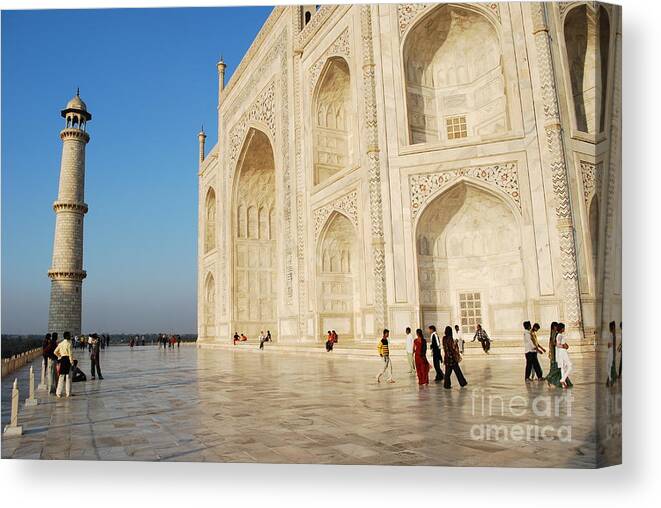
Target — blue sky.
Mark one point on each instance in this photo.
(149, 79)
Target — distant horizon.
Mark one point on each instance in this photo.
(150, 81)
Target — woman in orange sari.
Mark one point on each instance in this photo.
(420, 356)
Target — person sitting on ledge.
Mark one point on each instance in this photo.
(236, 338)
(77, 375)
(243, 337)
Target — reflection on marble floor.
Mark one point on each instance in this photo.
(273, 407)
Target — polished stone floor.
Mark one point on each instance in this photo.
(241, 406)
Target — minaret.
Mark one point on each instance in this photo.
(201, 137)
(66, 273)
(221, 78)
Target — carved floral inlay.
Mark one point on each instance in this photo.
(504, 176)
(262, 110)
(591, 178)
(406, 13)
(341, 47)
(346, 205)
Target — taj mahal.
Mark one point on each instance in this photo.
(407, 164)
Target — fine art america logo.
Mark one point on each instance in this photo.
(520, 418)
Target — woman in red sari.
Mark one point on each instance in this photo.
(420, 356)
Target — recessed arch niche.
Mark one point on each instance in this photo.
(455, 84)
(587, 39)
(255, 281)
(332, 122)
(209, 313)
(338, 287)
(468, 249)
(210, 221)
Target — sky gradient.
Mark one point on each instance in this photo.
(149, 79)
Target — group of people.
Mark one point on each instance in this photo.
(331, 340)
(560, 364)
(85, 341)
(61, 366)
(163, 340)
(137, 341)
(446, 351)
(263, 338)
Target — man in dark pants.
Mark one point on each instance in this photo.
(436, 353)
(532, 363)
(95, 354)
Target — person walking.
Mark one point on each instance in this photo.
(95, 356)
(436, 353)
(420, 355)
(482, 337)
(409, 350)
(384, 352)
(562, 356)
(459, 337)
(262, 339)
(530, 350)
(64, 353)
(452, 359)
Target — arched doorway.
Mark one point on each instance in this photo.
(338, 288)
(255, 277)
(587, 39)
(332, 120)
(209, 317)
(470, 268)
(455, 85)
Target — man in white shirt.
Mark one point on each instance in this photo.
(409, 350)
(532, 363)
(459, 338)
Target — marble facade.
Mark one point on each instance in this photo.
(402, 164)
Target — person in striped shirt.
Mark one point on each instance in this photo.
(384, 352)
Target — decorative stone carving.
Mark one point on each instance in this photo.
(374, 168)
(262, 110)
(340, 47)
(556, 160)
(407, 13)
(317, 21)
(505, 176)
(591, 178)
(347, 205)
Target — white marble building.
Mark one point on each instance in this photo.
(402, 165)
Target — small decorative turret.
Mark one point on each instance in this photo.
(221, 77)
(201, 137)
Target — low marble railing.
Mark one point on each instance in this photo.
(14, 363)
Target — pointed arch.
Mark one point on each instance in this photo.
(254, 270)
(472, 271)
(332, 129)
(338, 280)
(454, 80)
(210, 220)
(209, 314)
(587, 42)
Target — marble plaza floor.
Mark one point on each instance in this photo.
(194, 404)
